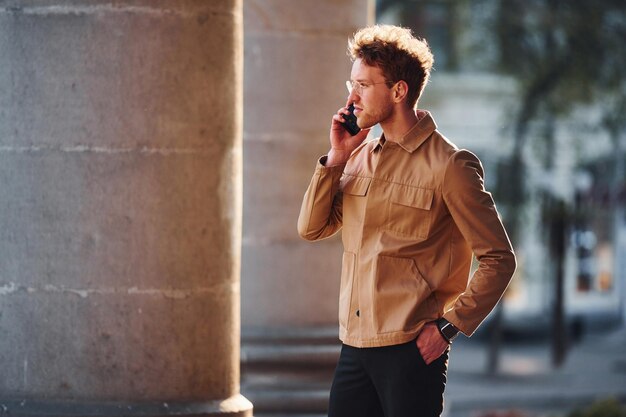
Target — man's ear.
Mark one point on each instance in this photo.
(400, 91)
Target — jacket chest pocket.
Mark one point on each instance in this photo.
(355, 191)
(409, 211)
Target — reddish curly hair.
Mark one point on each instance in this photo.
(399, 54)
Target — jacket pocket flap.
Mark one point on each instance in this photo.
(406, 195)
(355, 185)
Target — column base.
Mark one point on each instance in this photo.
(289, 371)
(235, 406)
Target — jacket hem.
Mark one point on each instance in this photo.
(387, 339)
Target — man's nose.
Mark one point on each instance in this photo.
(353, 96)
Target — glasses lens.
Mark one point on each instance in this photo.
(349, 86)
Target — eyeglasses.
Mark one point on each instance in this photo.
(358, 86)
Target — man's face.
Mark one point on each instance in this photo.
(371, 97)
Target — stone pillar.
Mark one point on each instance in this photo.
(295, 72)
(120, 182)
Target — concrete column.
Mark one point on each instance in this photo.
(295, 72)
(120, 182)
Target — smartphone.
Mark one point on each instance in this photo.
(350, 121)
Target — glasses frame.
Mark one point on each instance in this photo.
(358, 86)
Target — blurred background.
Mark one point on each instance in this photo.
(537, 89)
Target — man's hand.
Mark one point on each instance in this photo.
(341, 142)
(431, 343)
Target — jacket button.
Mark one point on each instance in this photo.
(358, 313)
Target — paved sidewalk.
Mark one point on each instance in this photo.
(595, 368)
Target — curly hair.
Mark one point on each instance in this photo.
(399, 54)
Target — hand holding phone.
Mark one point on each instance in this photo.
(350, 121)
(345, 135)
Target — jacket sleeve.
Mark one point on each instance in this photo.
(321, 210)
(474, 213)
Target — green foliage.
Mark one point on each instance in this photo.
(563, 52)
(609, 407)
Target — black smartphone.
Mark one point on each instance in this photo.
(350, 121)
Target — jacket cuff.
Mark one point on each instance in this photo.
(321, 165)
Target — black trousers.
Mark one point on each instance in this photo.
(390, 381)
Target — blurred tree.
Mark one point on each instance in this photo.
(563, 53)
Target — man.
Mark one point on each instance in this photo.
(414, 210)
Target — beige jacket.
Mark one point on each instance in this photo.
(412, 213)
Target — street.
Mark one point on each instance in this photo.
(594, 369)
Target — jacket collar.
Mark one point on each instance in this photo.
(417, 135)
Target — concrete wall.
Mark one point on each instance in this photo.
(120, 177)
(295, 71)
